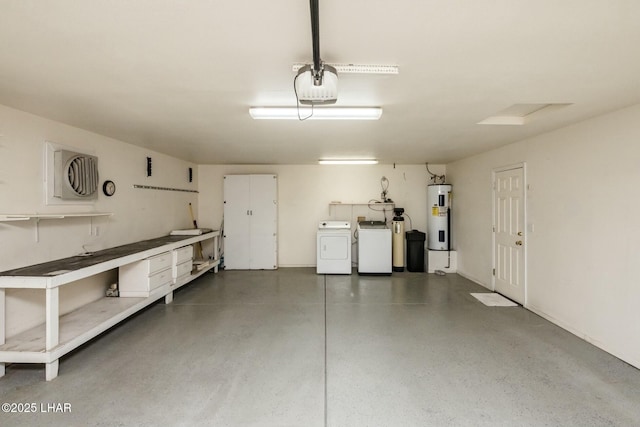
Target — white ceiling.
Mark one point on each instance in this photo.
(179, 76)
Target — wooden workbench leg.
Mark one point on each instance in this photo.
(3, 326)
(216, 257)
(168, 298)
(51, 370)
(52, 320)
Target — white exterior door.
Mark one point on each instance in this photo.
(509, 234)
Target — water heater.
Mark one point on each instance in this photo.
(438, 215)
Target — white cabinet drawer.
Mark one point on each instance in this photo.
(158, 262)
(183, 254)
(159, 279)
(140, 278)
(181, 270)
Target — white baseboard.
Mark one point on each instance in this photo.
(474, 280)
(297, 266)
(620, 355)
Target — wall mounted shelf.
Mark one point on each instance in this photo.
(38, 217)
(27, 217)
(374, 206)
(361, 204)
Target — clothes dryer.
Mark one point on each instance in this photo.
(334, 247)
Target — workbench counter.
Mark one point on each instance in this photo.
(48, 342)
(59, 272)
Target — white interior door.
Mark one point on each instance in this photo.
(509, 233)
(263, 222)
(236, 222)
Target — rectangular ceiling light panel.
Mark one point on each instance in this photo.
(520, 114)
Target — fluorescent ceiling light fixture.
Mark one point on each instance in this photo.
(348, 161)
(315, 113)
(357, 68)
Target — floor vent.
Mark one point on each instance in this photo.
(76, 176)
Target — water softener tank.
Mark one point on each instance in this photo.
(438, 216)
(398, 240)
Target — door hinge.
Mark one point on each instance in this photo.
(494, 271)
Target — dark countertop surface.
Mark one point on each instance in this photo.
(61, 266)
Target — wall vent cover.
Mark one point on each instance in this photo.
(76, 176)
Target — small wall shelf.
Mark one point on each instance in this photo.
(38, 217)
(374, 206)
(361, 204)
(27, 217)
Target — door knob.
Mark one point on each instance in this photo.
(519, 233)
(519, 243)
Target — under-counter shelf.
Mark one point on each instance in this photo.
(197, 272)
(75, 328)
(84, 323)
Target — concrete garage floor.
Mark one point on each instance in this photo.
(261, 348)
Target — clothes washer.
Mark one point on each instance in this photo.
(334, 247)
(374, 248)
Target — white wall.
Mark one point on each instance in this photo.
(584, 205)
(304, 194)
(137, 214)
